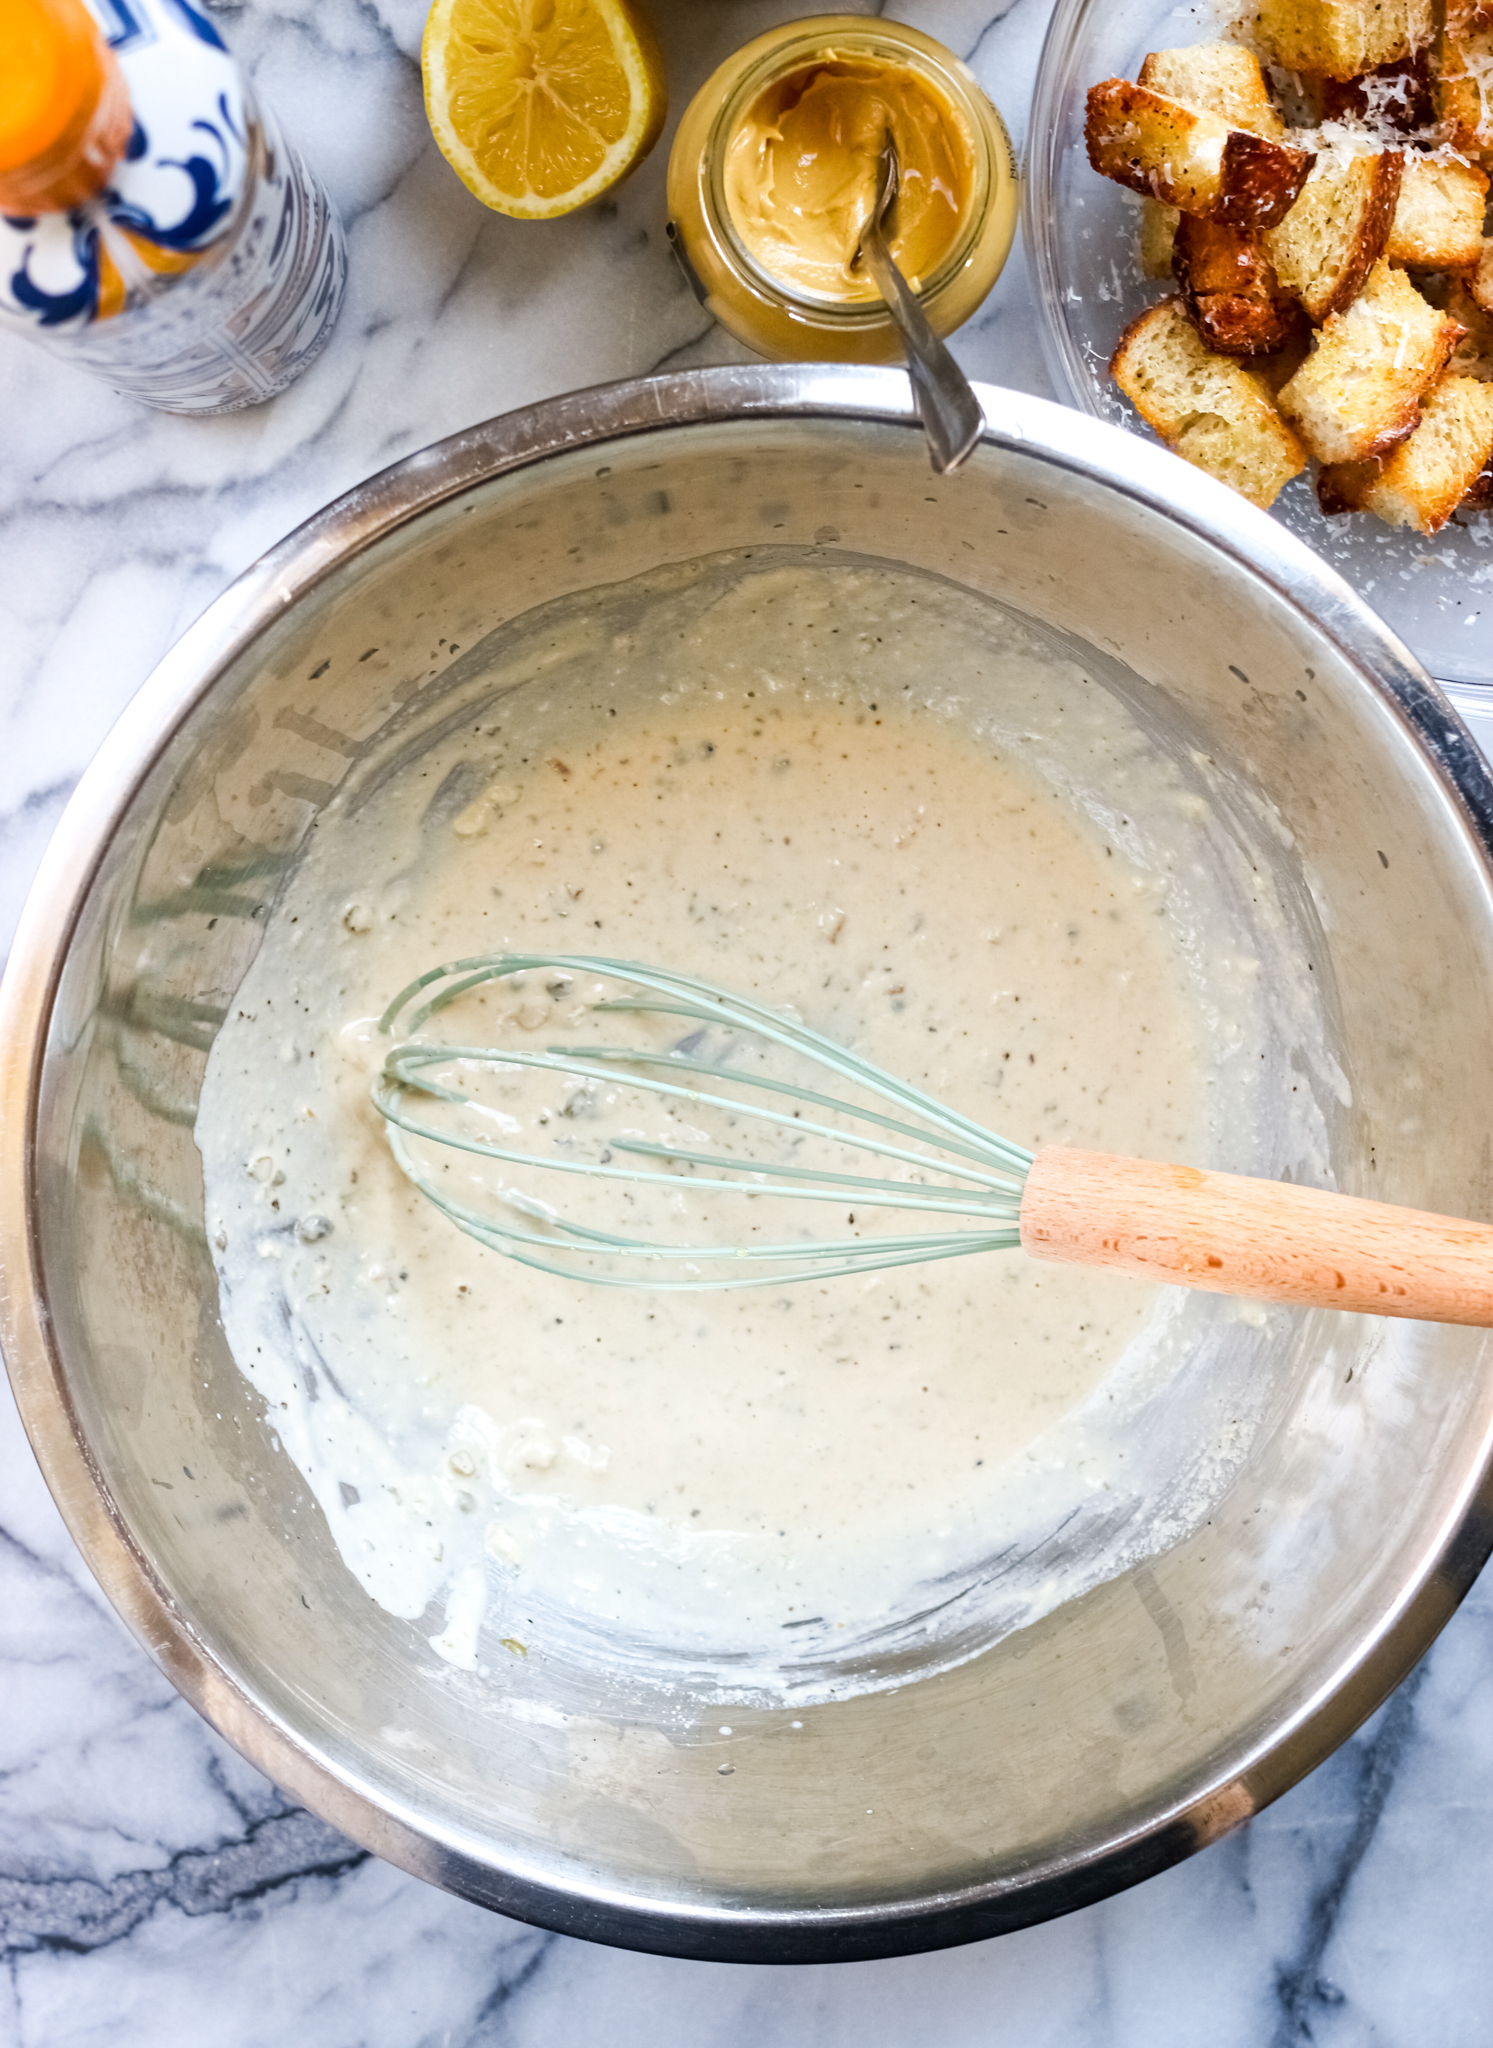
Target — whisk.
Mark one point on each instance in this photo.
(545, 1153)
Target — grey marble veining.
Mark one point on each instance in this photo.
(154, 1890)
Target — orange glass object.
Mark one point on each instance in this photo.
(64, 109)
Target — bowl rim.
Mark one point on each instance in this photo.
(1238, 1784)
(1038, 185)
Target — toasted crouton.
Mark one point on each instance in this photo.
(1230, 287)
(1480, 281)
(1391, 100)
(1158, 237)
(1221, 78)
(1357, 394)
(1430, 474)
(1208, 408)
(1337, 230)
(1228, 280)
(1464, 90)
(1438, 222)
(1480, 496)
(1190, 158)
(1340, 38)
(1473, 354)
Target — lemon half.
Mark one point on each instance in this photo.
(540, 105)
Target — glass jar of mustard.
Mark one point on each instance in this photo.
(773, 172)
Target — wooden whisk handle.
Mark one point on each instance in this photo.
(1264, 1239)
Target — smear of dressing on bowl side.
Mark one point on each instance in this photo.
(874, 799)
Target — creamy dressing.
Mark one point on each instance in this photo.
(822, 787)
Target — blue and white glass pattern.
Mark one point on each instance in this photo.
(209, 271)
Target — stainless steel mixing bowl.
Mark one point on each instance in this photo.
(1129, 1728)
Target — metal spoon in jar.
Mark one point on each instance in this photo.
(947, 406)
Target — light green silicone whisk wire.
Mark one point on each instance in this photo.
(953, 1168)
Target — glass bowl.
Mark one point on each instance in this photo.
(1436, 593)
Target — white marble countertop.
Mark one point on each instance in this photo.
(154, 1890)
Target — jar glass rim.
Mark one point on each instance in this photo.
(825, 40)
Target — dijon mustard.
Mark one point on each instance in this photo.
(773, 177)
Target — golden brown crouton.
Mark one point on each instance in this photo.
(1464, 90)
(1340, 38)
(1480, 281)
(1230, 287)
(1341, 485)
(1438, 222)
(1473, 354)
(1357, 394)
(1208, 408)
(1480, 496)
(1337, 230)
(1221, 78)
(1391, 100)
(1189, 158)
(1430, 474)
